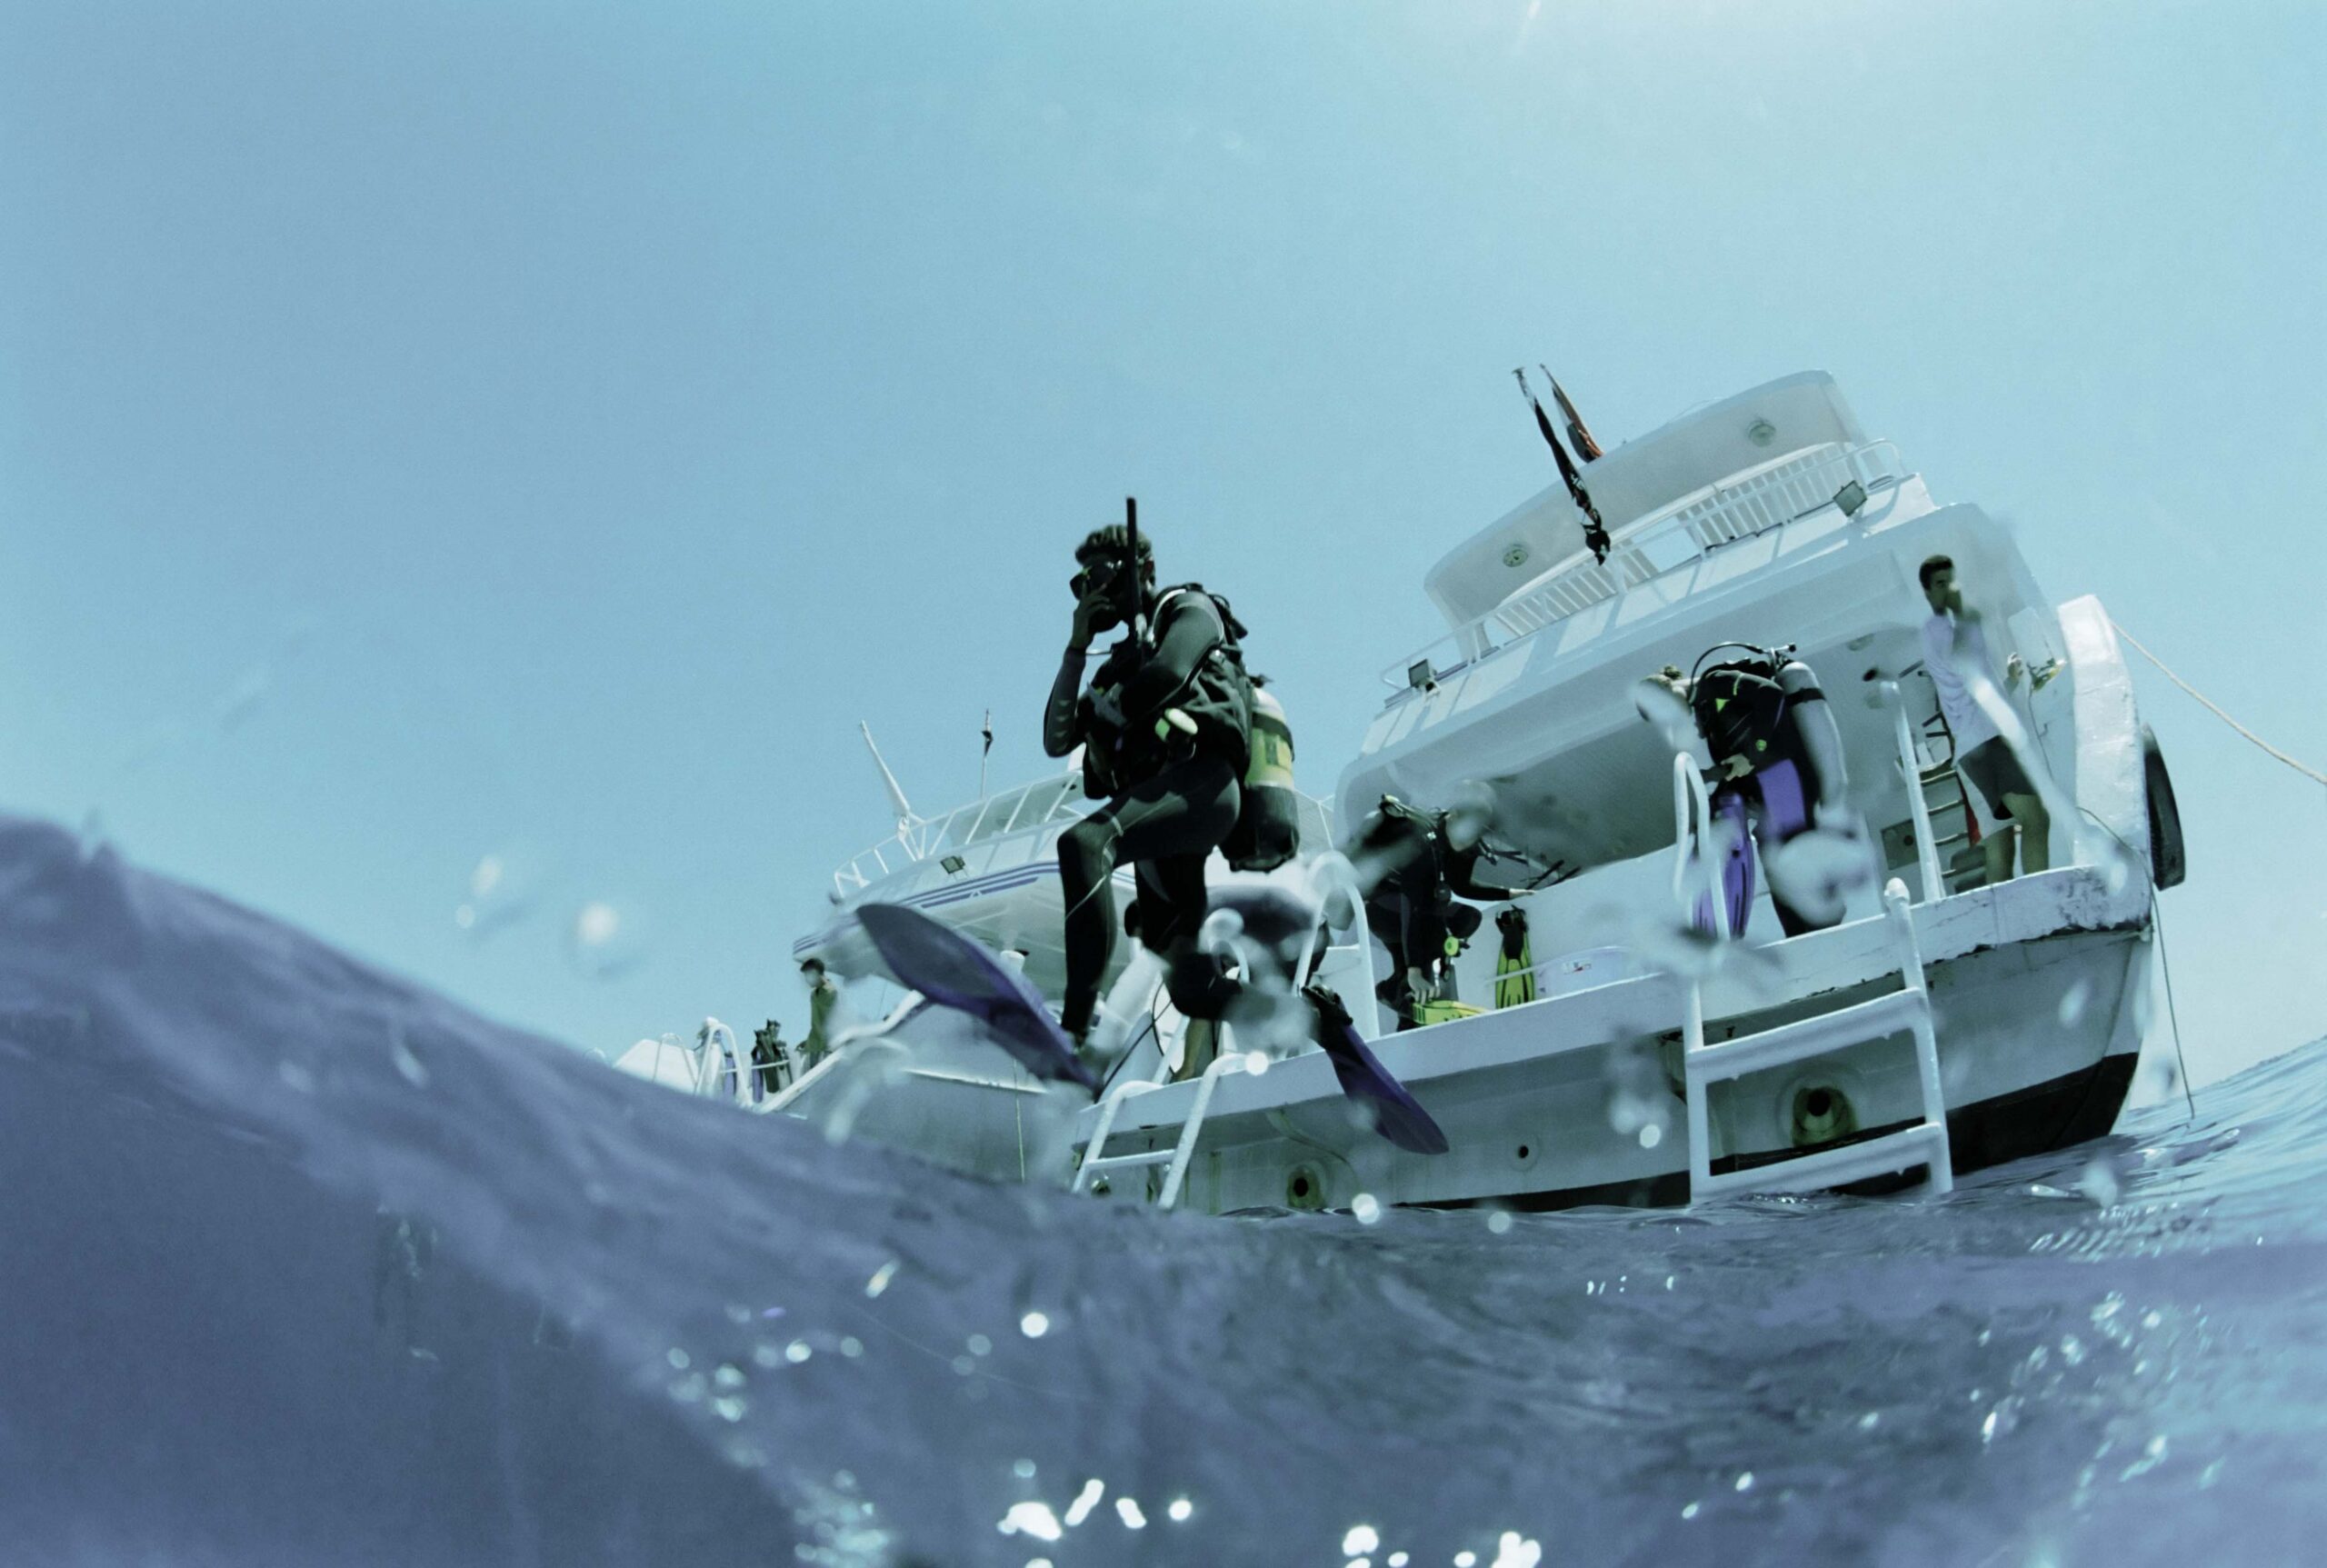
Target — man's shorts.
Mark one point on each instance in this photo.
(1997, 773)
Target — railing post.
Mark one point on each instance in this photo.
(1926, 850)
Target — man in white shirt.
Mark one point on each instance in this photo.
(1956, 648)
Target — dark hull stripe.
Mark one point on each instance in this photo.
(2055, 1115)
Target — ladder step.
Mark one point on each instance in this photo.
(1145, 1157)
(1813, 1036)
(1920, 1144)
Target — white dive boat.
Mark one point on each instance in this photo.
(1945, 1025)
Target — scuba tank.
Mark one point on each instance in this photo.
(1268, 824)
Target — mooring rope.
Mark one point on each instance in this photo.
(2314, 775)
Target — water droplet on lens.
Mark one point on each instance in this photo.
(1360, 1538)
(1365, 1208)
(2100, 1181)
(2073, 1001)
(1035, 1519)
(1179, 1509)
(1086, 1501)
(1033, 1325)
(407, 1064)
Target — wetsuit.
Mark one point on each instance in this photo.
(1169, 802)
(1411, 909)
(1778, 801)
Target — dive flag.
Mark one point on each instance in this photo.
(1585, 448)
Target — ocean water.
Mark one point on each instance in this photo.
(300, 1264)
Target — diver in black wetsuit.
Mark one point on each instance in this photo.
(1165, 728)
(1417, 864)
(1778, 770)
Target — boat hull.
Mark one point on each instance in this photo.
(2038, 991)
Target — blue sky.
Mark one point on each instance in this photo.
(442, 431)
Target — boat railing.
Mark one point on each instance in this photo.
(982, 834)
(982, 824)
(1677, 535)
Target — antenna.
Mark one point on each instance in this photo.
(905, 817)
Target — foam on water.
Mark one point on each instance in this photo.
(303, 1265)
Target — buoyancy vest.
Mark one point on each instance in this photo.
(1218, 694)
(1214, 706)
(1740, 707)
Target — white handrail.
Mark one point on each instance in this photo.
(1926, 850)
(715, 1047)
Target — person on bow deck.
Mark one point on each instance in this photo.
(1416, 865)
(1955, 652)
(823, 994)
(1778, 776)
(1165, 724)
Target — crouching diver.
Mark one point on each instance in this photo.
(1416, 865)
(1777, 758)
(1165, 728)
